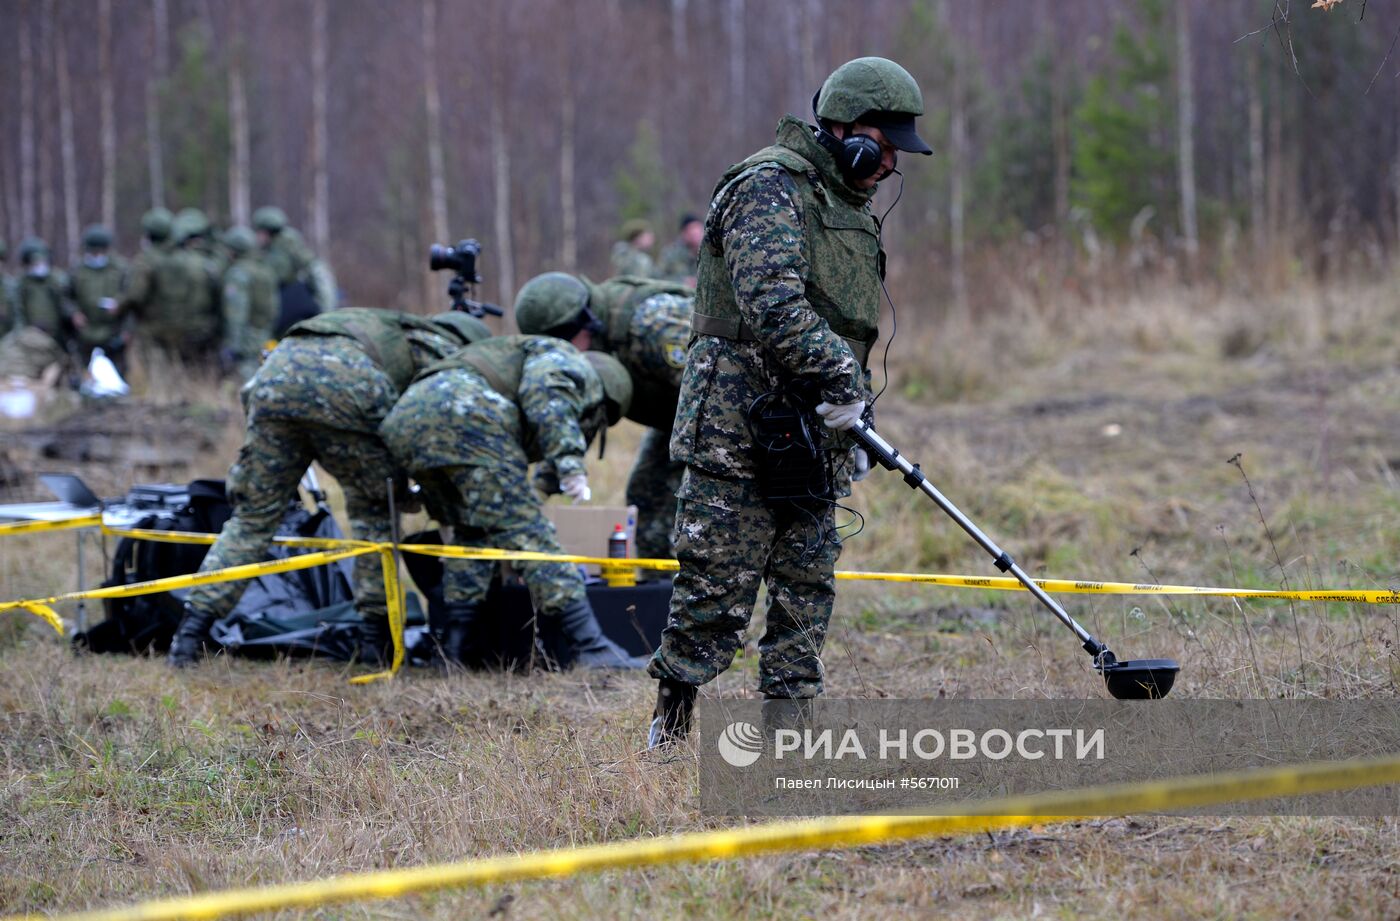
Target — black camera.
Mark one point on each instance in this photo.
(460, 259)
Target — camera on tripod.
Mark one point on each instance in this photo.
(461, 261)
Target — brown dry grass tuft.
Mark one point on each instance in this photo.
(1092, 441)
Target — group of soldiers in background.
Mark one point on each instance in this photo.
(194, 292)
(631, 255)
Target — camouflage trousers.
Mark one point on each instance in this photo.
(263, 480)
(727, 541)
(494, 506)
(652, 487)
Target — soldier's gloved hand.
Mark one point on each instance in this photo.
(861, 462)
(841, 416)
(576, 487)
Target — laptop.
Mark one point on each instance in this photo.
(71, 489)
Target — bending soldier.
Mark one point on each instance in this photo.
(320, 396)
(467, 430)
(646, 326)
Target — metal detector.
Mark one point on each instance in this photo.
(1134, 679)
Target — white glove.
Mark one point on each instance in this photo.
(862, 465)
(841, 416)
(576, 487)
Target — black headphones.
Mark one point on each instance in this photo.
(858, 156)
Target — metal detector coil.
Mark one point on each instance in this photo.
(1133, 679)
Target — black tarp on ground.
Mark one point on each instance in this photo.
(311, 612)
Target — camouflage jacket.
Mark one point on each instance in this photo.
(628, 260)
(97, 292)
(42, 304)
(496, 401)
(9, 290)
(250, 306)
(646, 327)
(678, 263)
(791, 257)
(292, 260)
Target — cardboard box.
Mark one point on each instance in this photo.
(584, 529)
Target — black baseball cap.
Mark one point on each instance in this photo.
(898, 128)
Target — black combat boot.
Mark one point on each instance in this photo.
(573, 638)
(675, 701)
(191, 637)
(376, 642)
(461, 634)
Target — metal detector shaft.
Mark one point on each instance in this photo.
(890, 458)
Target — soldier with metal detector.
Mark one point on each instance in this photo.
(787, 308)
(321, 396)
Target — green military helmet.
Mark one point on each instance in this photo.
(868, 85)
(617, 384)
(190, 222)
(269, 218)
(31, 248)
(157, 224)
(239, 239)
(549, 301)
(97, 237)
(634, 228)
(462, 326)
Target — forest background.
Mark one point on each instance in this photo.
(1079, 145)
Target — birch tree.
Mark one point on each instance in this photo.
(160, 66)
(1186, 127)
(320, 131)
(67, 147)
(107, 120)
(28, 191)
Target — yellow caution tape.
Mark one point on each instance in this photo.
(1079, 587)
(68, 524)
(777, 837)
(228, 574)
(393, 593)
(191, 537)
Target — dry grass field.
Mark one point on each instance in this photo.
(1093, 442)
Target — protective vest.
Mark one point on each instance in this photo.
(41, 303)
(381, 333)
(841, 244)
(89, 287)
(615, 301)
(500, 361)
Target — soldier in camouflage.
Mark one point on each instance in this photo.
(174, 285)
(40, 296)
(95, 287)
(300, 274)
(8, 286)
(632, 254)
(249, 304)
(320, 396)
(646, 326)
(195, 267)
(681, 257)
(142, 301)
(788, 296)
(467, 430)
